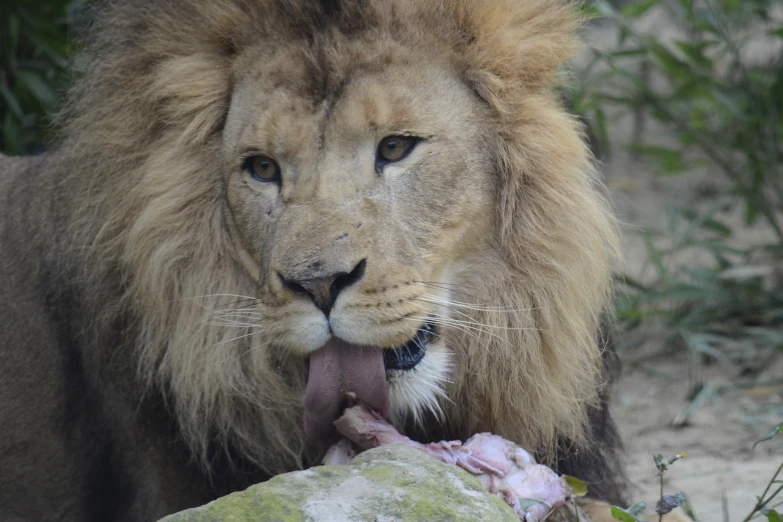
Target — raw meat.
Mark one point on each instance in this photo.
(505, 469)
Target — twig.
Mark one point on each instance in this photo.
(762, 502)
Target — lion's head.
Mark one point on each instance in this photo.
(276, 181)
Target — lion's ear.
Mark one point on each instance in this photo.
(193, 92)
(514, 45)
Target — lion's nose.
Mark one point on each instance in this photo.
(324, 290)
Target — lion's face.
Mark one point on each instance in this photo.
(272, 185)
(353, 205)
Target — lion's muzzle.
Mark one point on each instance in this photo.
(323, 290)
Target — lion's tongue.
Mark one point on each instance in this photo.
(335, 369)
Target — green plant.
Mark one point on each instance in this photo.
(764, 505)
(34, 49)
(725, 113)
(721, 107)
(666, 503)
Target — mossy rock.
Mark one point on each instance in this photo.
(388, 484)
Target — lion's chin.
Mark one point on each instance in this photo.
(341, 372)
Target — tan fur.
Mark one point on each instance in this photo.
(512, 225)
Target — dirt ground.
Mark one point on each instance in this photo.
(717, 438)
(652, 409)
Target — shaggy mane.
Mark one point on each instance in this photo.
(148, 227)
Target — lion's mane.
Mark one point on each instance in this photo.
(148, 239)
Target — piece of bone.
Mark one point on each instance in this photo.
(502, 467)
(339, 454)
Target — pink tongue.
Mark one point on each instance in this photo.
(335, 369)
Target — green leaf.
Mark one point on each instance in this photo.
(751, 212)
(688, 508)
(39, 88)
(622, 515)
(633, 283)
(730, 101)
(670, 159)
(637, 9)
(654, 253)
(578, 487)
(628, 515)
(589, 11)
(686, 4)
(710, 224)
(679, 291)
(673, 65)
(605, 8)
(637, 508)
(13, 31)
(11, 135)
(695, 52)
(774, 516)
(45, 48)
(633, 52)
(744, 272)
(623, 35)
(701, 343)
(526, 503)
(11, 101)
(776, 91)
(771, 435)
(602, 132)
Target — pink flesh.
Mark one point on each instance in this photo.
(336, 369)
(503, 468)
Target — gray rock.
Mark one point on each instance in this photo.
(387, 484)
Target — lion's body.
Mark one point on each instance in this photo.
(152, 347)
(72, 444)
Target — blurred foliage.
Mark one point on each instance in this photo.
(34, 50)
(723, 106)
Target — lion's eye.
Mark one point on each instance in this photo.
(262, 168)
(395, 148)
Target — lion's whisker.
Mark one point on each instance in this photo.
(234, 323)
(454, 324)
(447, 284)
(435, 318)
(235, 313)
(254, 347)
(469, 326)
(250, 334)
(471, 306)
(205, 296)
(226, 307)
(474, 322)
(453, 305)
(251, 310)
(451, 290)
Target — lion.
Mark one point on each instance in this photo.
(252, 204)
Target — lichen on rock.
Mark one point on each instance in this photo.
(388, 484)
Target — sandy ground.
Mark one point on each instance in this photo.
(651, 401)
(717, 437)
